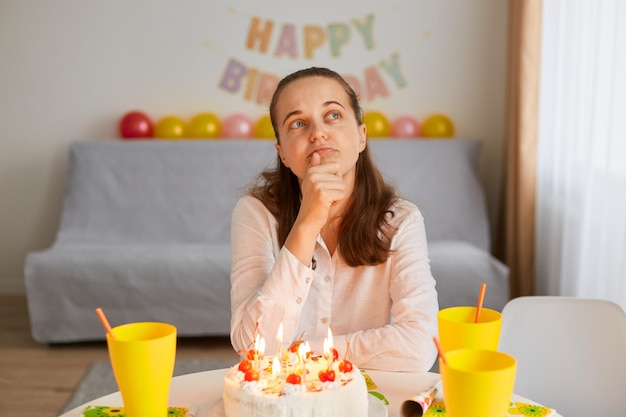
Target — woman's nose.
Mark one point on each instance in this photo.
(318, 131)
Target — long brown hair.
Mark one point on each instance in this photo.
(364, 232)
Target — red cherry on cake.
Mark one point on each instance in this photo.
(294, 346)
(294, 379)
(327, 375)
(250, 354)
(251, 375)
(335, 354)
(245, 365)
(345, 366)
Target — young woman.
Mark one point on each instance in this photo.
(321, 241)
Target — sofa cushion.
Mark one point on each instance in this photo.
(439, 176)
(185, 285)
(460, 267)
(157, 192)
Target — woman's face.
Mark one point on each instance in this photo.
(313, 114)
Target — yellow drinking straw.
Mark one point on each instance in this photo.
(481, 298)
(105, 322)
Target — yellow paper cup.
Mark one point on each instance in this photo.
(143, 356)
(457, 329)
(477, 382)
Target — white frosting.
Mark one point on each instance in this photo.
(292, 389)
(273, 397)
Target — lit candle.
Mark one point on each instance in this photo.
(326, 349)
(302, 354)
(332, 353)
(275, 367)
(255, 350)
(260, 352)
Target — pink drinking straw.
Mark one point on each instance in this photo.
(105, 322)
(440, 350)
(481, 298)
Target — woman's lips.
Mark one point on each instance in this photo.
(323, 152)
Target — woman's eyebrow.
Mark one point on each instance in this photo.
(291, 113)
(326, 103)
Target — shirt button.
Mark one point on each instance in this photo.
(327, 278)
(308, 279)
(324, 320)
(298, 300)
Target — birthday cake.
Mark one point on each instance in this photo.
(288, 386)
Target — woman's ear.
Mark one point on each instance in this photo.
(280, 154)
(362, 136)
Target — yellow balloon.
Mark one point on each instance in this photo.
(263, 128)
(378, 125)
(438, 126)
(203, 126)
(169, 127)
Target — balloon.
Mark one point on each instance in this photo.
(438, 126)
(377, 124)
(263, 128)
(237, 126)
(169, 127)
(405, 127)
(135, 125)
(203, 125)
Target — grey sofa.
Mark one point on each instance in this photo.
(145, 231)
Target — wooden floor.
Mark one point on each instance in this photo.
(37, 380)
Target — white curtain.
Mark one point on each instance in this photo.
(581, 166)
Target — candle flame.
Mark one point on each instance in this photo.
(275, 367)
(279, 336)
(330, 339)
(301, 351)
(261, 349)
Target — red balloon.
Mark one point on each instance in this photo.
(135, 125)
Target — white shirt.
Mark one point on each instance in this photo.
(387, 312)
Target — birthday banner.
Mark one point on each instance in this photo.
(358, 46)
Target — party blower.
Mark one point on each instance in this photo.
(142, 356)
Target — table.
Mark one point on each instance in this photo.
(200, 391)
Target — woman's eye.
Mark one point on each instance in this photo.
(334, 115)
(296, 124)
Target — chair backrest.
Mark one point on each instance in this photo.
(571, 353)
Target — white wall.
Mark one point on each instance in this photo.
(69, 70)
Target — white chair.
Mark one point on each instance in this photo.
(571, 353)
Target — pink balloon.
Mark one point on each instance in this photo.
(237, 126)
(405, 127)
